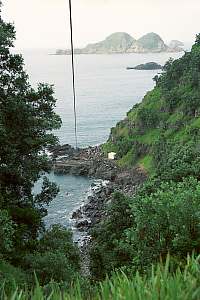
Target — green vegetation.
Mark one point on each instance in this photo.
(146, 163)
(159, 283)
(107, 253)
(130, 248)
(147, 66)
(163, 140)
(27, 119)
(171, 110)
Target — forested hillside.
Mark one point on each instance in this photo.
(168, 116)
(161, 136)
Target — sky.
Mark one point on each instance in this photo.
(45, 23)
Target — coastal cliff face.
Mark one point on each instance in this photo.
(122, 42)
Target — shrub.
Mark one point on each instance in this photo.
(57, 258)
(11, 277)
(107, 252)
(176, 161)
(167, 220)
(51, 265)
(6, 232)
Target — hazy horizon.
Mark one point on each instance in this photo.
(45, 24)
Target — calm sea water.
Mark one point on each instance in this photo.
(105, 89)
(105, 92)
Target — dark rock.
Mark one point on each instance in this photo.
(92, 163)
(82, 225)
(63, 150)
(147, 66)
(77, 214)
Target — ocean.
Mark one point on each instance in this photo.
(105, 92)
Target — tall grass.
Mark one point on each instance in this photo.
(160, 284)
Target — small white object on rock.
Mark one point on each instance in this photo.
(111, 155)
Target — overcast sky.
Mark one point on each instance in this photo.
(44, 23)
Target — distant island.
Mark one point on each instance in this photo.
(122, 42)
(147, 66)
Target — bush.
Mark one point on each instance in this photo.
(176, 161)
(57, 258)
(11, 278)
(107, 252)
(58, 238)
(51, 265)
(167, 220)
(6, 233)
(147, 118)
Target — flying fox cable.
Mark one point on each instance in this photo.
(73, 74)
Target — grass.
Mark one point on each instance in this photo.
(127, 160)
(183, 284)
(149, 137)
(175, 117)
(195, 123)
(108, 147)
(161, 284)
(147, 163)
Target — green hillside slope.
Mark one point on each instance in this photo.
(160, 135)
(170, 112)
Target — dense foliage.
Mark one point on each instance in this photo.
(27, 119)
(160, 283)
(161, 135)
(167, 114)
(106, 252)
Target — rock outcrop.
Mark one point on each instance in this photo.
(147, 66)
(83, 162)
(175, 46)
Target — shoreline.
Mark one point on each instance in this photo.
(108, 178)
(92, 163)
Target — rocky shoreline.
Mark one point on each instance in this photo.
(108, 178)
(88, 162)
(91, 162)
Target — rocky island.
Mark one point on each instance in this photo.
(176, 46)
(147, 66)
(122, 42)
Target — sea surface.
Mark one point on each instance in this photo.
(105, 92)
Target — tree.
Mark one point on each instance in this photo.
(6, 233)
(107, 251)
(27, 119)
(58, 258)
